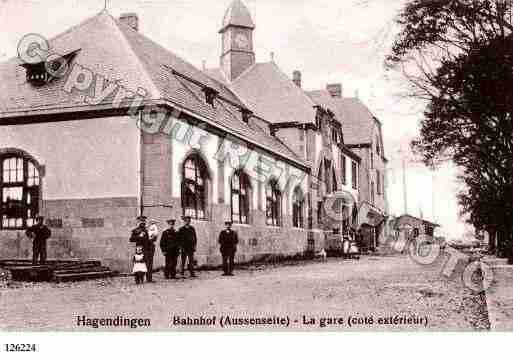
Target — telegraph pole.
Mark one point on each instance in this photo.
(433, 180)
(405, 191)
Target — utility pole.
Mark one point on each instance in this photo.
(405, 191)
(433, 195)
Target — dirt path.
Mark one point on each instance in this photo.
(377, 287)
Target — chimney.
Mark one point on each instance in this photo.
(130, 19)
(296, 77)
(335, 90)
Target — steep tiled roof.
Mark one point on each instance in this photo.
(357, 120)
(270, 94)
(103, 50)
(217, 75)
(115, 51)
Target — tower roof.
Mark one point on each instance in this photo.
(237, 14)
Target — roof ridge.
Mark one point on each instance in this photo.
(80, 24)
(187, 67)
(245, 72)
(141, 63)
(303, 92)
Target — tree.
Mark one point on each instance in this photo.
(457, 56)
(481, 202)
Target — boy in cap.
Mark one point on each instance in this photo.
(228, 240)
(170, 247)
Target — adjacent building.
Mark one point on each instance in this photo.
(363, 135)
(407, 228)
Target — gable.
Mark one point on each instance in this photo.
(356, 119)
(271, 95)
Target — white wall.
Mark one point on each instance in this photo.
(209, 147)
(92, 158)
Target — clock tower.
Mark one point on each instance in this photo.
(237, 40)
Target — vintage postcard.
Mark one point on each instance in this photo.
(255, 165)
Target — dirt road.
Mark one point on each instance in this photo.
(335, 292)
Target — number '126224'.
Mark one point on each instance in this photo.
(20, 347)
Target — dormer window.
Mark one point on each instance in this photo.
(246, 114)
(210, 95)
(36, 74)
(43, 72)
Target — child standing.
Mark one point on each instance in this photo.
(139, 269)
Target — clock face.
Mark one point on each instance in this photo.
(241, 41)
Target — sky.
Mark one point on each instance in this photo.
(329, 41)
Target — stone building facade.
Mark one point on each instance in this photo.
(129, 128)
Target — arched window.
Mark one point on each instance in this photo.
(273, 204)
(194, 187)
(19, 191)
(298, 202)
(240, 188)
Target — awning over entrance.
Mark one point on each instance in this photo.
(370, 215)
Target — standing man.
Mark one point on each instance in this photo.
(188, 240)
(228, 240)
(170, 247)
(149, 250)
(39, 233)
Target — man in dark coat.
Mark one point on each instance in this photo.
(188, 241)
(141, 238)
(228, 241)
(39, 234)
(170, 246)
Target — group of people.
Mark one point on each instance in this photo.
(175, 244)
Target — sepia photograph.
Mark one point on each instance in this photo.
(255, 166)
